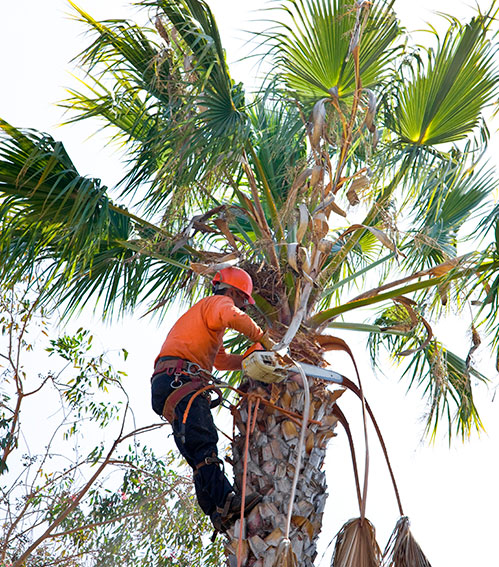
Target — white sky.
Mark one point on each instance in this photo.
(451, 495)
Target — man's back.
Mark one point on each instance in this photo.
(198, 335)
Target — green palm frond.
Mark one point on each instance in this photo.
(120, 279)
(446, 379)
(195, 23)
(121, 108)
(279, 141)
(447, 385)
(128, 50)
(442, 103)
(47, 204)
(313, 50)
(65, 224)
(449, 197)
(170, 94)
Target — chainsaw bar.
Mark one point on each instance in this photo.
(322, 373)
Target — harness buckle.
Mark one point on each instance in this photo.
(193, 368)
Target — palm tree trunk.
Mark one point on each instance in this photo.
(272, 452)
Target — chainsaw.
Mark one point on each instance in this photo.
(269, 366)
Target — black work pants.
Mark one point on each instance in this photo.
(198, 441)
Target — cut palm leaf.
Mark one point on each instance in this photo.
(402, 549)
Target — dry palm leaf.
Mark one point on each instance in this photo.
(356, 545)
(477, 341)
(321, 225)
(223, 262)
(357, 184)
(293, 255)
(316, 176)
(371, 110)
(328, 205)
(402, 549)
(444, 267)
(303, 223)
(318, 122)
(223, 226)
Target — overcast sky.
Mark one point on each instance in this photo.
(451, 495)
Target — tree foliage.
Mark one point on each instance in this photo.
(357, 164)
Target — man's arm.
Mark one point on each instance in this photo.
(224, 314)
(235, 319)
(226, 361)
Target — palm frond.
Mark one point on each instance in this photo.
(446, 379)
(170, 94)
(443, 102)
(356, 545)
(65, 224)
(46, 203)
(279, 142)
(448, 198)
(313, 50)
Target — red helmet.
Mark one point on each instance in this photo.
(238, 278)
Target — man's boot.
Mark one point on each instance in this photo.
(224, 517)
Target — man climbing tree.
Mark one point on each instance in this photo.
(191, 349)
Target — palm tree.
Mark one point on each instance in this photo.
(357, 164)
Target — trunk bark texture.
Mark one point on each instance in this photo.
(271, 458)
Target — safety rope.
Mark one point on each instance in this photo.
(295, 417)
(245, 474)
(301, 443)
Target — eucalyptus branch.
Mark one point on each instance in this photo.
(78, 498)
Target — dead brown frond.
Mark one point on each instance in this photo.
(304, 348)
(266, 281)
(477, 341)
(285, 556)
(402, 549)
(356, 545)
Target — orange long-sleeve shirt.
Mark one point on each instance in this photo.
(198, 335)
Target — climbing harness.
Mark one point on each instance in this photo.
(189, 378)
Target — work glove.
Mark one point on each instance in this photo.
(266, 341)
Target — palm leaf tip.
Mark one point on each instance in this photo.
(402, 549)
(356, 545)
(285, 555)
